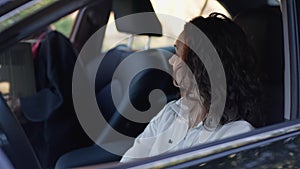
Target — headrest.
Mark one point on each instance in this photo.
(144, 22)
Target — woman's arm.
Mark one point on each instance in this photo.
(144, 142)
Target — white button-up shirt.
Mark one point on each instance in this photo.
(169, 131)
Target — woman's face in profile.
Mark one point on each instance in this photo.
(177, 65)
(177, 62)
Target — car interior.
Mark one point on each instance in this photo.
(260, 20)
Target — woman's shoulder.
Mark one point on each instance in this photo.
(235, 128)
(239, 124)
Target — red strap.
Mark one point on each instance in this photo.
(36, 45)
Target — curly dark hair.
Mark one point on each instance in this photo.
(243, 98)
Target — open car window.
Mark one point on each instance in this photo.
(268, 31)
(253, 153)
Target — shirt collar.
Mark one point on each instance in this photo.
(181, 109)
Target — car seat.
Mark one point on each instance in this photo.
(139, 88)
(145, 81)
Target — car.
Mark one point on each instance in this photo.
(92, 49)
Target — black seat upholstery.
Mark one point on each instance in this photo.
(85, 156)
(145, 81)
(104, 79)
(263, 27)
(140, 87)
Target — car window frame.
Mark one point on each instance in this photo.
(205, 153)
(292, 56)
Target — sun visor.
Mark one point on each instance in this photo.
(136, 17)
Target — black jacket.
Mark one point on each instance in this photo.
(53, 128)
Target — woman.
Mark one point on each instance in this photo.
(183, 123)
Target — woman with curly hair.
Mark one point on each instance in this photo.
(185, 122)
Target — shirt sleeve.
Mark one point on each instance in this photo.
(143, 143)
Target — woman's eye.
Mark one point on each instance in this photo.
(176, 49)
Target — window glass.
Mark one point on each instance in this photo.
(182, 9)
(23, 11)
(280, 154)
(187, 10)
(16, 71)
(65, 24)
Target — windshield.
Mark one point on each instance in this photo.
(8, 5)
(14, 11)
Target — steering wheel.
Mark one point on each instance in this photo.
(13, 140)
